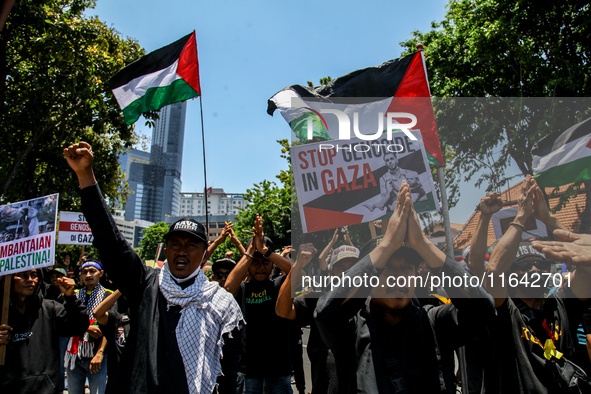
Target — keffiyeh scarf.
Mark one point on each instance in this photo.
(83, 347)
(208, 312)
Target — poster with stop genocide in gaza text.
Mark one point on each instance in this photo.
(345, 182)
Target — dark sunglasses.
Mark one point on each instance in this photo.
(527, 265)
(221, 275)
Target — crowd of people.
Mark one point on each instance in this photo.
(174, 330)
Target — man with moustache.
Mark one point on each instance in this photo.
(180, 319)
(394, 346)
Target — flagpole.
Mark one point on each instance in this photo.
(441, 177)
(204, 170)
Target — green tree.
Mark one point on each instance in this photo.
(55, 65)
(504, 48)
(152, 237)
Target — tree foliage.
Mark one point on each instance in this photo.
(152, 237)
(504, 48)
(55, 65)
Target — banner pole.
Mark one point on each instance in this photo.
(5, 305)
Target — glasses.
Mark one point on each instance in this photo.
(221, 275)
(528, 265)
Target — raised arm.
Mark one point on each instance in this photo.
(123, 265)
(284, 306)
(282, 262)
(504, 253)
(101, 313)
(396, 230)
(239, 272)
(574, 249)
(218, 241)
(489, 205)
(234, 239)
(324, 256)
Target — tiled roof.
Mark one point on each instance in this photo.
(569, 215)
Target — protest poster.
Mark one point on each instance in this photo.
(345, 182)
(502, 220)
(73, 229)
(27, 234)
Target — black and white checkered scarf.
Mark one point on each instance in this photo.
(83, 347)
(208, 312)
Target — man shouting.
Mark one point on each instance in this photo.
(180, 318)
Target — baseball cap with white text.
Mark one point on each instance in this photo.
(187, 226)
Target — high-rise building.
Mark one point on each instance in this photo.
(166, 154)
(155, 181)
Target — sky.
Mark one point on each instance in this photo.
(248, 51)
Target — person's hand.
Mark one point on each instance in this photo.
(415, 237)
(397, 225)
(541, 210)
(4, 334)
(286, 250)
(94, 331)
(259, 236)
(335, 236)
(348, 238)
(490, 204)
(95, 363)
(232, 235)
(226, 231)
(525, 201)
(305, 254)
(66, 286)
(79, 157)
(575, 248)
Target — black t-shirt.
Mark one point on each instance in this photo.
(265, 339)
(116, 331)
(520, 335)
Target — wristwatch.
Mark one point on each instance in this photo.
(268, 254)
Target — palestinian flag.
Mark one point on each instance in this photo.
(398, 85)
(165, 76)
(563, 157)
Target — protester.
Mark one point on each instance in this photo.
(54, 292)
(480, 366)
(167, 351)
(232, 350)
(31, 335)
(86, 356)
(221, 269)
(301, 311)
(395, 346)
(266, 365)
(66, 265)
(115, 327)
(534, 337)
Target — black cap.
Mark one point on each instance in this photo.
(228, 264)
(187, 226)
(268, 244)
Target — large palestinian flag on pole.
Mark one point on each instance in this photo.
(398, 85)
(563, 157)
(165, 76)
